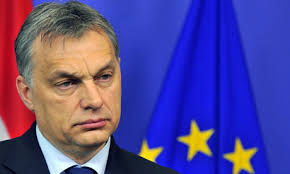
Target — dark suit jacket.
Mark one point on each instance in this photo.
(23, 155)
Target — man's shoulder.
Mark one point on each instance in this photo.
(19, 145)
(6, 150)
(18, 153)
(137, 164)
(6, 146)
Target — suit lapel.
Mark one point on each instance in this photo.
(113, 166)
(26, 156)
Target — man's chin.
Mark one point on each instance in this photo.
(92, 141)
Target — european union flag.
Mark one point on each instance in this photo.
(205, 120)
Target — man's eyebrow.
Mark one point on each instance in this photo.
(64, 74)
(74, 75)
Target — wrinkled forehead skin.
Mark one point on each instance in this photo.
(48, 40)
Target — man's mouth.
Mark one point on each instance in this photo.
(93, 123)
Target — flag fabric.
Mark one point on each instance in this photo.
(14, 117)
(205, 119)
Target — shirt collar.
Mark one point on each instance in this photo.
(57, 162)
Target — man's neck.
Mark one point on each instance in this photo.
(57, 161)
(81, 155)
(77, 153)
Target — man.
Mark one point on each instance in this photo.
(68, 61)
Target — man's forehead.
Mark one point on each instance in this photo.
(58, 43)
(59, 70)
(92, 52)
(76, 66)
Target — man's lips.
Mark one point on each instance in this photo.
(93, 123)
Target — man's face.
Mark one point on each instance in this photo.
(76, 92)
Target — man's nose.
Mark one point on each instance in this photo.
(91, 97)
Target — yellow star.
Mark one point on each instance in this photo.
(241, 158)
(196, 141)
(150, 154)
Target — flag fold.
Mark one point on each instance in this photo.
(205, 119)
(15, 118)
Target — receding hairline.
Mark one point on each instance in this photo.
(44, 41)
(49, 38)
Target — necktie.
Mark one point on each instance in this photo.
(80, 170)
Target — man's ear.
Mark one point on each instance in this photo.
(25, 92)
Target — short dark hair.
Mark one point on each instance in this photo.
(51, 20)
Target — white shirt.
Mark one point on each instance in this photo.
(57, 162)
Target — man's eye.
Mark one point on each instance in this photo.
(104, 77)
(66, 84)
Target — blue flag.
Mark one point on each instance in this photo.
(205, 120)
